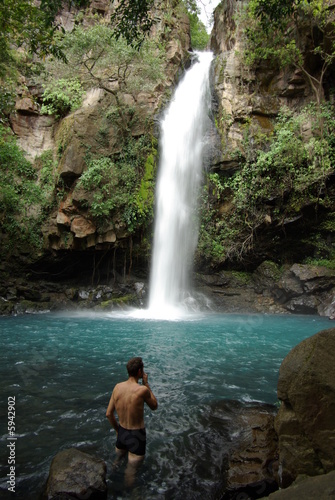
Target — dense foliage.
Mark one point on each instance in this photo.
(26, 194)
(99, 60)
(62, 97)
(199, 35)
(118, 185)
(283, 172)
(274, 185)
(133, 20)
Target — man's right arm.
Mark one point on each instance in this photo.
(149, 396)
(110, 413)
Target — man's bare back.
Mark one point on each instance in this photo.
(127, 401)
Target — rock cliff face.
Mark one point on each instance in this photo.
(69, 227)
(246, 95)
(248, 101)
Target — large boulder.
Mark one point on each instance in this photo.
(305, 423)
(310, 488)
(75, 474)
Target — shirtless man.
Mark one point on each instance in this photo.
(128, 400)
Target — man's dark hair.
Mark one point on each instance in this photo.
(133, 365)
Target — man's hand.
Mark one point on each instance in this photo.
(149, 398)
(145, 378)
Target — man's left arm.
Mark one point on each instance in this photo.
(110, 413)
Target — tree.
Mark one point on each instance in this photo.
(99, 60)
(199, 35)
(24, 23)
(30, 24)
(133, 20)
(277, 31)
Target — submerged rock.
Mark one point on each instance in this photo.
(74, 474)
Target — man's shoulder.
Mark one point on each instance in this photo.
(141, 390)
(144, 390)
(119, 386)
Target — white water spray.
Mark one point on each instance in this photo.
(180, 173)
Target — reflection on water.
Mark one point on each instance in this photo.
(62, 369)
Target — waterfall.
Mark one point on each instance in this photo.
(179, 177)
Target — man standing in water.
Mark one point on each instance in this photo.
(128, 400)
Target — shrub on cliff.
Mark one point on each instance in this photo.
(272, 188)
(62, 96)
(25, 194)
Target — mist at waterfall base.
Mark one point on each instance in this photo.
(61, 369)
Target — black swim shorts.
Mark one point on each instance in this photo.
(133, 440)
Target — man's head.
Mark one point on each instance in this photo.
(133, 365)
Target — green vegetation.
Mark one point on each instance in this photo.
(141, 212)
(284, 170)
(25, 24)
(133, 20)
(121, 189)
(7, 99)
(199, 35)
(329, 264)
(118, 186)
(273, 185)
(26, 194)
(101, 61)
(61, 97)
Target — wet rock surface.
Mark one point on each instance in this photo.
(297, 289)
(18, 296)
(253, 459)
(246, 439)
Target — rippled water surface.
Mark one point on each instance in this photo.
(62, 369)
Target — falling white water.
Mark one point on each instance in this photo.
(179, 178)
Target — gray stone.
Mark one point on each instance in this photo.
(289, 285)
(78, 474)
(308, 272)
(305, 304)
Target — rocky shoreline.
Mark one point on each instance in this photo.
(296, 289)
